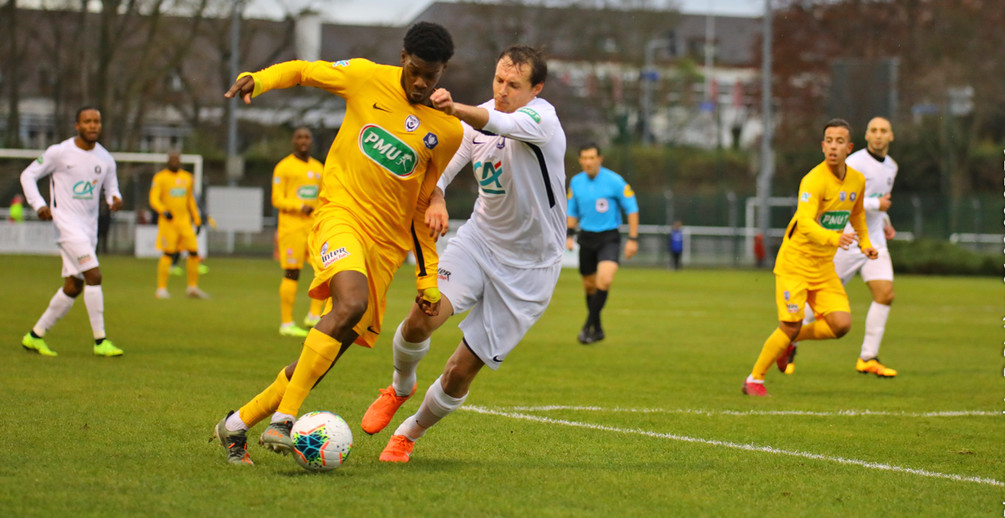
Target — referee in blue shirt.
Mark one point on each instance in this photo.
(597, 197)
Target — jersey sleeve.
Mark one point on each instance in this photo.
(193, 207)
(573, 209)
(534, 126)
(39, 168)
(279, 199)
(337, 77)
(806, 214)
(155, 195)
(857, 220)
(459, 160)
(111, 184)
(626, 197)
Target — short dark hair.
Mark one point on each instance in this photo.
(524, 55)
(588, 146)
(84, 109)
(430, 42)
(837, 123)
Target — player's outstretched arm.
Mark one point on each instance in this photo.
(242, 88)
(475, 116)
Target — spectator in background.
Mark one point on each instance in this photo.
(676, 244)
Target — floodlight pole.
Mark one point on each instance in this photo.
(234, 165)
(767, 154)
(648, 77)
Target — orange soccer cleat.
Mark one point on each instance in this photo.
(382, 410)
(398, 449)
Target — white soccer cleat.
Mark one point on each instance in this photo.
(162, 293)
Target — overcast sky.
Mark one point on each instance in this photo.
(400, 12)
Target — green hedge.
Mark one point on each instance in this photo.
(926, 256)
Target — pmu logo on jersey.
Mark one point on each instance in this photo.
(387, 151)
(329, 258)
(834, 219)
(84, 190)
(533, 114)
(178, 192)
(307, 192)
(490, 173)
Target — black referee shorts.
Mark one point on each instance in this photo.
(598, 246)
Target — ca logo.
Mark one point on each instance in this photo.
(83, 190)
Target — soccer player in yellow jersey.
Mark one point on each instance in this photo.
(379, 176)
(296, 182)
(830, 196)
(173, 198)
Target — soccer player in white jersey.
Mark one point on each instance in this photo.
(78, 169)
(880, 171)
(504, 263)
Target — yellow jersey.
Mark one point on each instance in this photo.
(385, 161)
(826, 204)
(295, 183)
(173, 191)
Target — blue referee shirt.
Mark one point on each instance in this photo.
(598, 202)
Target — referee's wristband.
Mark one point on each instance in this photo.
(570, 232)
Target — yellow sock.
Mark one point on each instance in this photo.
(264, 404)
(192, 269)
(316, 358)
(317, 306)
(816, 330)
(163, 271)
(287, 295)
(774, 346)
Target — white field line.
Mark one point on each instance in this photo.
(737, 446)
(839, 413)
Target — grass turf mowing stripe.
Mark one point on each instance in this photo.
(747, 447)
(838, 413)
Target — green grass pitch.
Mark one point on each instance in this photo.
(650, 422)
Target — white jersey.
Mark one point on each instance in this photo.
(519, 164)
(76, 178)
(879, 177)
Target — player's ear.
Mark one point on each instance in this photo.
(404, 57)
(536, 89)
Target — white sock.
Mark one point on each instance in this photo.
(234, 422)
(278, 417)
(94, 301)
(435, 406)
(59, 305)
(875, 326)
(407, 356)
(751, 379)
(808, 316)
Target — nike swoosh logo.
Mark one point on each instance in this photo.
(370, 329)
(496, 359)
(475, 141)
(375, 107)
(825, 200)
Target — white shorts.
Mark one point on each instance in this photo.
(78, 257)
(504, 301)
(848, 262)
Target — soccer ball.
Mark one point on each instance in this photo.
(321, 441)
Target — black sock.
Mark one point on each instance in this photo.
(33, 335)
(97, 341)
(597, 302)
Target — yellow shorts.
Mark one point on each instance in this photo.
(825, 295)
(292, 244)
(336, 245)
(173, 237)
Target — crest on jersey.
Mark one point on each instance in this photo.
(628, 191)
(842, 195)
(852, 196)
(804, 197)
(97, 169)
(787, 295)
(411, 123)
(602, 205)
(430, 140)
